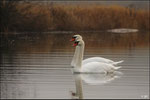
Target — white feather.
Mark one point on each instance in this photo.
(98, 67)
(100, 59)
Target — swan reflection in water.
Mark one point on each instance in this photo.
(93, 71)
(92, 79)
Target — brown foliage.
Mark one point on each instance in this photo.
(40, 17)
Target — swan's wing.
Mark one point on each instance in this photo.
(97, 67)
(97, 59)
(118, 62)
(102, 60)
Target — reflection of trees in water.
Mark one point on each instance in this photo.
(60, 41)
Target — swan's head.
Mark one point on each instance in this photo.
(78, 42)
(76, 37)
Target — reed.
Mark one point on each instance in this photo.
(35, 17)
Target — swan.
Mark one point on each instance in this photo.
(90, 67)
(94, 59)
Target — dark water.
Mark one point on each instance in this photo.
(39, 67)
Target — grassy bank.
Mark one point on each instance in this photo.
(35, 17)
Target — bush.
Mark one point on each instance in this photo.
(24, 16)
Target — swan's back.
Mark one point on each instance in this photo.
(97, 59)
(98, 67)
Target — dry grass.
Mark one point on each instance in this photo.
(38, 17)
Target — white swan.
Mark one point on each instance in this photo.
(93, 59)
(89, 67)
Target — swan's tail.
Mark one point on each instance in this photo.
(118, 62)
(117, 67)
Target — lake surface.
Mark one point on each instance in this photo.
(38, 67)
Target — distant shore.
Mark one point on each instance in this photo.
(36, 17)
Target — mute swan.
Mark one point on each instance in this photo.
(93, 59)
(90, 67)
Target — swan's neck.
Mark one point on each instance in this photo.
(74, 57)
(78, 57)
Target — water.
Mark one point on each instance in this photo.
(39, 67)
